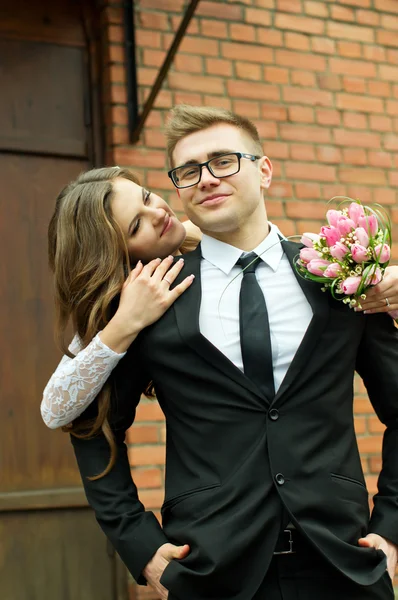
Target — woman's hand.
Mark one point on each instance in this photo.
(145, 297)
(377, 296)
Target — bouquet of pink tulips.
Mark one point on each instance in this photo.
(350, 254)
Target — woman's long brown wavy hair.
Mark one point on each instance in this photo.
(89, 258)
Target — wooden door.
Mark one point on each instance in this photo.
(50, 544)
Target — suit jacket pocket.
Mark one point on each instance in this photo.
(343, 478)
(168, 505)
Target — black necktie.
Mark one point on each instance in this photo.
(255, 339)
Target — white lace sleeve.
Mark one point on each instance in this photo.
(77, 381)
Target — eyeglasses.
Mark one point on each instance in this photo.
(220, 166)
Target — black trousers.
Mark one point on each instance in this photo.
(308, 576)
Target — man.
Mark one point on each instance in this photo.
(265, 496)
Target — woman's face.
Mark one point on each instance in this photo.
(149, 226)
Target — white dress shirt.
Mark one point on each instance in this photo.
(289, 312)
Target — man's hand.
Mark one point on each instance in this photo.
(373, 540)
(154, 569)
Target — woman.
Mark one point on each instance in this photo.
(103, 223)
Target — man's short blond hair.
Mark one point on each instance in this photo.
(186, 119)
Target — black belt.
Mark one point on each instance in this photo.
(289, 542)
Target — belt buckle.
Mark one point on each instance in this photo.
(290, 541)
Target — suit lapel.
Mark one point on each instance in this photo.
(187, 310)
(320, 308)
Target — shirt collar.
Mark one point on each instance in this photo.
(224, 257)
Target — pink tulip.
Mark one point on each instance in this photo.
(318, 266)
(350, 285)
(307, 254)
(369, 223)
(345, 225)
(309, 238)
(331, 234)
(374, 276)
(355, 211)
(333, 270)
(333, 216)
(362, 236)
(382, 252)
(338, 251)
(359, 253)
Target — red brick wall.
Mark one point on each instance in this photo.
(320, 80)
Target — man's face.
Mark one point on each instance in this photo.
(223, 205)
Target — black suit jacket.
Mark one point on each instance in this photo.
(234, 456)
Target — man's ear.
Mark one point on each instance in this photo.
(265, 166)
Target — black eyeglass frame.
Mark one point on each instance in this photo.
(239, 155)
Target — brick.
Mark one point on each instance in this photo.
(242, 33)
(374, 53)
(301, 133)
(358, 68)
(360, 425)
(315, 172)
(114, 34)
(147, 478)
(139, 158)
(301, 114)
(149, 411)
(350, 32)
(303, 152)
(149, 39)
(143, 434)
(195, 83)
(200, 46)
(367, 17)
(257, 17)
(329, 154)
(392, 56)
(316, 9)
(146, 76)
(388, 73)
(355, 156)
(246, 70)
(147, 455)
(362, 406)
(386, 6)
(297, 41)
(218, 66)
(386, 38)
(153, 58)
(329, 82)
(354, 85)
(149, 20)
(276, 75)
(288, 58)
(270, 37)
(308, 225)
(361, 3)
(118, 94)
(305, 210)
(116, 53)
(119, 115)
(154, 138)
(356, 139)
(370, 444)
(187, 98)
(332, 190)
(249, 109)
(274, 112)
(365, 176)
(361, 103)
(308, 190)
(355, 120)
(215, 9)
(281, 189)
(379, 88)
(220, 101)
(380, 123)
(363, 193)
(151, 498)
(307, 96)
(285, 226)
(384, 196)
(323, 45)
(393, 179)
(349, 49)
(298, 23)
(266, 129)
(342, 13)
(326, 116)
(293, 6)
(265, 3)
(251, 53)
(217, 29)
(159, 180)
(375, 464)
(277, 149)
(390, 142)
(170, 5)
(189, 64)
(274, 207)
(260, 91)
(303, 78)
(193, 27)
(118, 135)
(392, 107)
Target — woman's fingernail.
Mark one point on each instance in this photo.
(192, 276)
(170, 256)
(367, 312)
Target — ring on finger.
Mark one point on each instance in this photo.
(387, 302)
(165, 279)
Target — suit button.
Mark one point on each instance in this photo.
(280, 480)
(273, 414)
